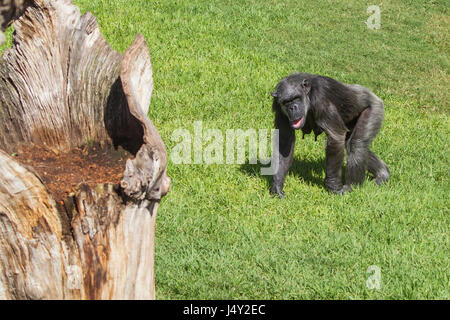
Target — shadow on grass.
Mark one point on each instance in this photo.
(308, 171)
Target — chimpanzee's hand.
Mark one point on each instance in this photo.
(276, 190)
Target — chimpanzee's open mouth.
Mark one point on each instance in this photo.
(297, 123)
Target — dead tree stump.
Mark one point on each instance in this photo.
(61, 88)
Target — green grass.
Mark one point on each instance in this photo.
(220, 234)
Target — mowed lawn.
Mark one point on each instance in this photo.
(220, 235)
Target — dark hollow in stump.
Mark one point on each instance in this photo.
(73, 110)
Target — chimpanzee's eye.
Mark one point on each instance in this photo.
(290, 100)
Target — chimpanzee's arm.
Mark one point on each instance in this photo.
(286, 151)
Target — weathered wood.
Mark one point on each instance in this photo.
(37, 254)
(62, 86)
(56, 79)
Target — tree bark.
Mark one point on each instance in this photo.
(62, 86)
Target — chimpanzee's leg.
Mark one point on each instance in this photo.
(365, 130)
(334, 154)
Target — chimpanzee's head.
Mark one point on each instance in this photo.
(292, 96)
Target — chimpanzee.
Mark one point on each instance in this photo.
(350, 115)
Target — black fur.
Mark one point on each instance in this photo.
(350, 115)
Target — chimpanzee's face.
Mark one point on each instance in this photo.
(293, 99)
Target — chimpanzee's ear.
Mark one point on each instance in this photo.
(306, 85)
(274, 94)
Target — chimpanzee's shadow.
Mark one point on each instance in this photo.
(307, 170)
